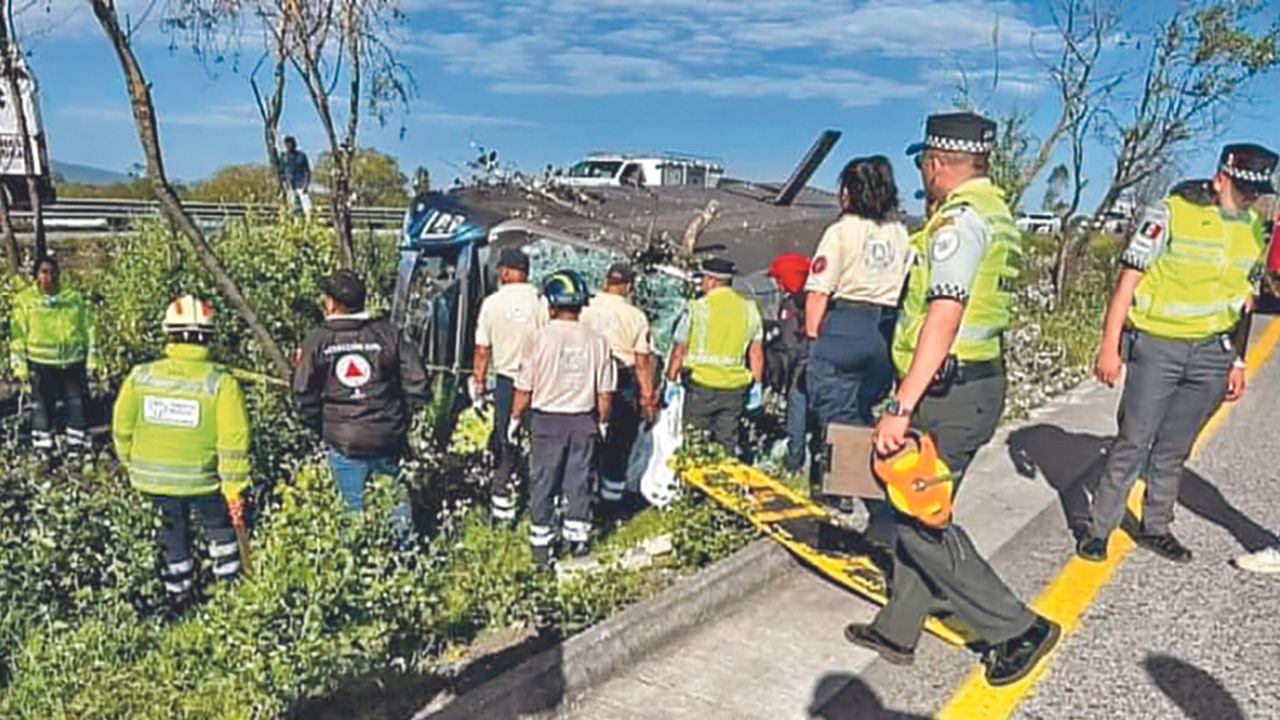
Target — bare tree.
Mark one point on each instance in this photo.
(12, 253)
(10, 68)
(144, 118)
(354, 39)
(1200, 62)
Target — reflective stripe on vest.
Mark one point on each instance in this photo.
(1197, 287)
(988, 310)
(57, 329)
(719, 334)
(175, 454)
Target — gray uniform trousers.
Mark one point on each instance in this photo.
(1171, 389)
(561, 462)
(943, 565)
(715, 412)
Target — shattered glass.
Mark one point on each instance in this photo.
(661, 296)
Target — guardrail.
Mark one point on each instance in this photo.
(90, 214)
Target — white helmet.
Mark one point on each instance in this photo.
(188, 314)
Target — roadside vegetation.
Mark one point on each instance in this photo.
(333, 601)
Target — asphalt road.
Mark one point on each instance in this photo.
(1158, 641)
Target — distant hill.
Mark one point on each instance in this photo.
(87, 174)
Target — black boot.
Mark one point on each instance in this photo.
(1010, 661)
(1091, 548)
(864, 636)
(1163, 544)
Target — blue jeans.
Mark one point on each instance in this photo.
(797, 428)
(353, 473)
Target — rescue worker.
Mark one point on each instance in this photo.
(507, 319)
(1186, 293)
(625, 326)
(720, 340)
(51, 347)
(855, 281)
(182, 431)
(567, 378)
(787, 352)
(947, 352)
(358, 384)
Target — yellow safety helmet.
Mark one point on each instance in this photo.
(188, 314)
(917, 481)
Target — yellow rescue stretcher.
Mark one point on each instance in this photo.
(809, 531)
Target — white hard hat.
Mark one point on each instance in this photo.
(188, 314)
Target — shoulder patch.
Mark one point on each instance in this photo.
(945, 244)
(819, 264)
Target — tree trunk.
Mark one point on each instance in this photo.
(144, 118)
(8, 49)
(11, 250)
(270, 109)
(339, 168)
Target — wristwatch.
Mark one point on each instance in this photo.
(896, 408)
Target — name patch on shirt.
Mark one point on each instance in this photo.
(174, 412)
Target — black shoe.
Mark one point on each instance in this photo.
(579, 549)
(1091, 548)
(1165, 545)
(864, 636)
(1010, 661)
(544, 557)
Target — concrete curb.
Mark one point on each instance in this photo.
(547, 683)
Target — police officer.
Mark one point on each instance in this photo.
(567, 377)
(854, 284)
(51, 346)
(181, 429)
(947, 352)
(507, 318)
(358, 384)
(720, 339)
(1186, 291)
(625, 326)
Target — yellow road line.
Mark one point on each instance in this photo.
(1073, 590)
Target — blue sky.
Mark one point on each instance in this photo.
(544, 81)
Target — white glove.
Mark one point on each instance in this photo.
(671, 393)
(513, 431)
(755, 397)
(475, 389)
(604, 429)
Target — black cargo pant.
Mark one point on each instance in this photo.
(178, 569)
(1171, 389)
(932, 565)
(506, 481)
(715, 412)
(561, 463)
(615, 449)
(49, 384)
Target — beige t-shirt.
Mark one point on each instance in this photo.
(565, 365)
(507, 318)
(862, 261)
(624, 325)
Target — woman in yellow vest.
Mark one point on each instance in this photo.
(1185, 294)
(51, 346)
(182, 431)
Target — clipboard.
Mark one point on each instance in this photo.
(846, 468)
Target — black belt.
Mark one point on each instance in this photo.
(861, 304)
(954, 372)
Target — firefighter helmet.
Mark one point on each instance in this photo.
(917, 481)
(565, 289)
(188, 314)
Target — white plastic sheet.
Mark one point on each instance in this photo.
(649, 466)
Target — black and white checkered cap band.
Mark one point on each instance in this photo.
(938, 142)
(1258, 176)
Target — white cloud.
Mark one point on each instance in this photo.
(214, 116)
(857, 53)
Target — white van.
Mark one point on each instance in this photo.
(657, 170)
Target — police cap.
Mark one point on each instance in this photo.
(1252, 167)
(514, 258)
(722, 268)
(957, 132)
(347, 288)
